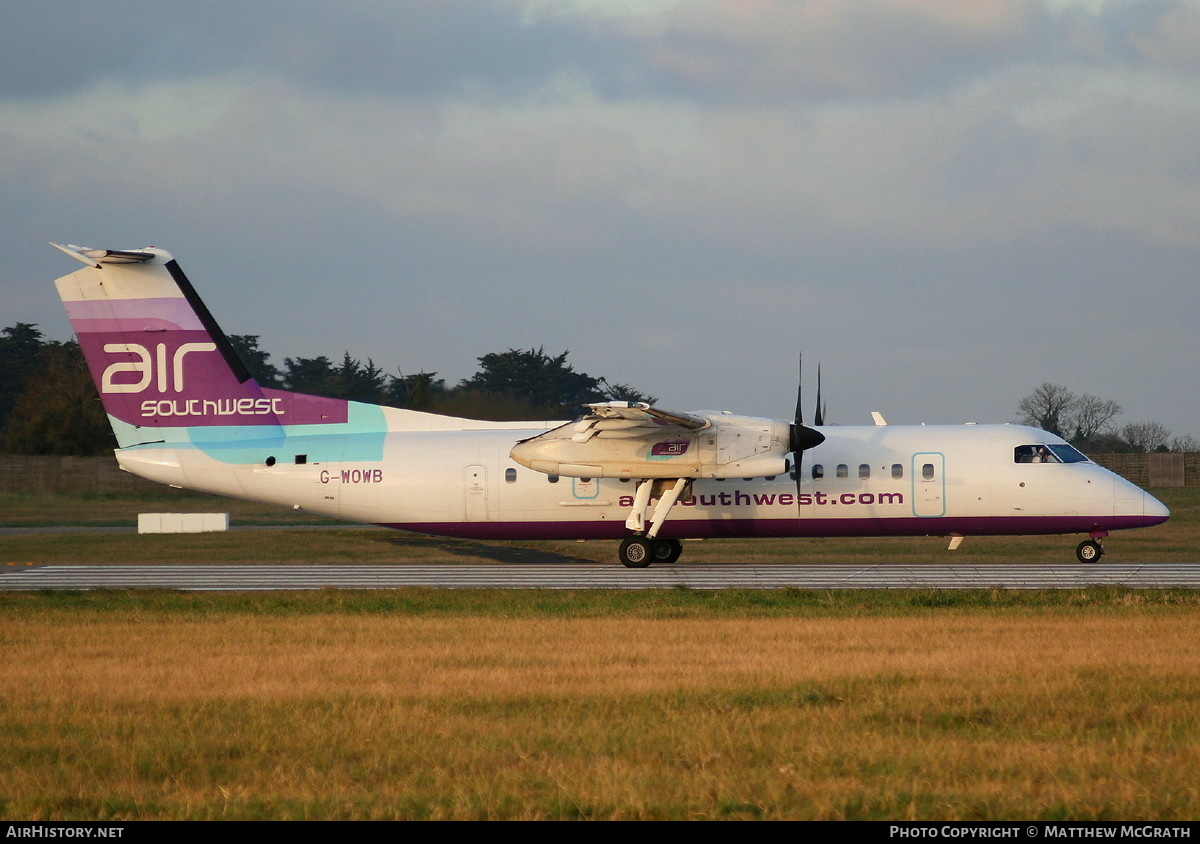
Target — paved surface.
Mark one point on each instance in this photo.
(220, 578)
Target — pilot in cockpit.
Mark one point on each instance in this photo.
(1034, 454)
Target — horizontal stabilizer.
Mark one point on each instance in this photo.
(96, 257)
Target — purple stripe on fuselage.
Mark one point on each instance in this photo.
(735, 528)
(132, 315)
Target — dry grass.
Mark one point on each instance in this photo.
(234, 712)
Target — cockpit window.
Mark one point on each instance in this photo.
(1054, 453)
(1068, 453)
(1033, 454)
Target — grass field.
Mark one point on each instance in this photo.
(675, 704)
(669, 705)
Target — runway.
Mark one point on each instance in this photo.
(235, 578)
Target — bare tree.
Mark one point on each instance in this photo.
(1144, 437)
(1090, 415)
(1185, 443)
(1047, 407)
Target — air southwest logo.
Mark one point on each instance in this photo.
(737, 498)
(164, 372)
(670, 448)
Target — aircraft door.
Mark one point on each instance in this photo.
(585, 488)
(929, 484)
(476, 493)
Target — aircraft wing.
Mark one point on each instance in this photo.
(631, 420)
(635, 440)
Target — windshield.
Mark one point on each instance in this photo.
(1054, 453)
(1068, 454)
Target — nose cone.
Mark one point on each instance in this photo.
(1135, 507)
(1153, 510)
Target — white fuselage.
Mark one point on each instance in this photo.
(187, 412)
(862, 481)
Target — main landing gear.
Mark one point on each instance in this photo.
(637, 552)
(645, 548)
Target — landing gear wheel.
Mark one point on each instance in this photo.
(635, 553)
(667, 550)
(1089, 551)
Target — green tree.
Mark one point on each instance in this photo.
(475, 404)
(20, 355)
(624, 392)
(547, 384)
(59, 411)
(416, 392)
(351, 380)
(308, 375)
(257, 361)
(359, 381)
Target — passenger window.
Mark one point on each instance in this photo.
(843, 471)
(927, 471)
(897, 471)
(818, 471)
(510, 476)
(864, 471)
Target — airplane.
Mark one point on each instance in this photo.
(186, 412)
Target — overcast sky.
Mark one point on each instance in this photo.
(946, 203)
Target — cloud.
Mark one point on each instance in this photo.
(772, 51)
(684, 192)
(396, 47)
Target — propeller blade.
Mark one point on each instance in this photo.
(802, 437)
(798, 416)
(819, 415)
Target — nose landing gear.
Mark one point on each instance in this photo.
(1089, 551)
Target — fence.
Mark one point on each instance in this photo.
(1150, 470)
(69, 474)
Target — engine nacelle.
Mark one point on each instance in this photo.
(728, 447)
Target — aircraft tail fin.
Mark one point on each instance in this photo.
(158, 358)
